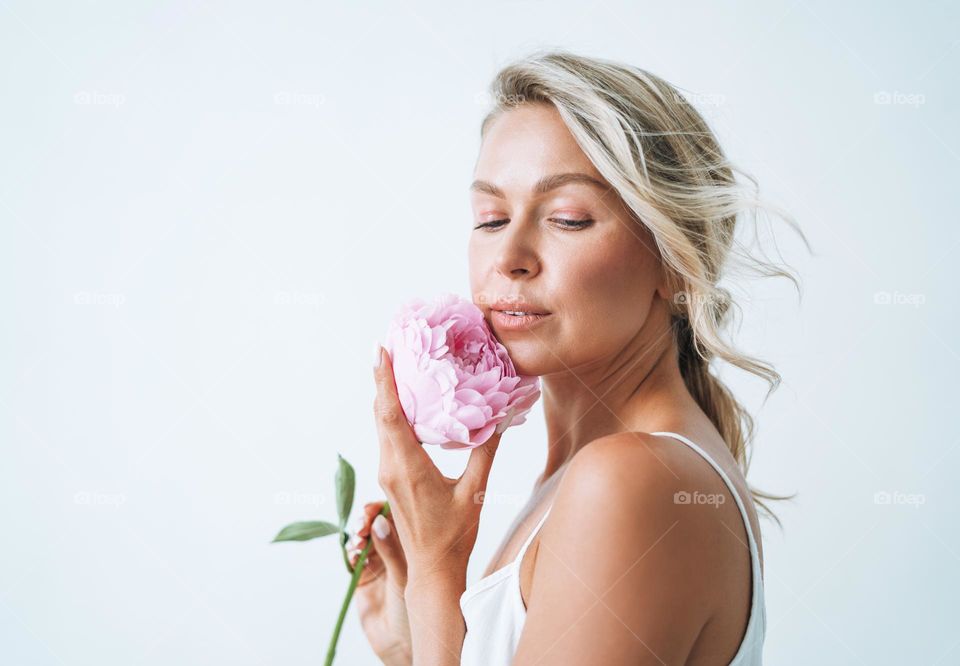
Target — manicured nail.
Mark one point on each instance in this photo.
(376, 354)
(381, 527)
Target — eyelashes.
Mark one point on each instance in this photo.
(562, 222)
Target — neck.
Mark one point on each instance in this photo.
(635, 389)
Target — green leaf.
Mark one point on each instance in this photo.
(346, 481)
(306, 530)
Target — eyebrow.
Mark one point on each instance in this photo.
(543, 185)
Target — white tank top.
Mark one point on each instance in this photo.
(494, 612)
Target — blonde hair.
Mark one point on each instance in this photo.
(665, 163)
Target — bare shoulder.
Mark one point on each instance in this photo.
(635, 466)
(645, 482)
(619, 543)
(676, 481)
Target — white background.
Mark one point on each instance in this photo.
(209, 211)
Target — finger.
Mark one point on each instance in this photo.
(361, 526)
(361, 533)
(355, 542)
(352, 556)
(373, 566)
(355, 546)
(384, 535)
(477, 473)
(373, 569)
(398, 442)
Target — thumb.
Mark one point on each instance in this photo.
(385, 540)
(480, 463)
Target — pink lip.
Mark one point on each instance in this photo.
(503, 321)
(517, 304)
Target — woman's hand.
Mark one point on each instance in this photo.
(379, 594)
(436, 517)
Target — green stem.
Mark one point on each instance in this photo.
(343, 551)
(354, 579)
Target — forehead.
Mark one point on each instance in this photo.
(528, 142)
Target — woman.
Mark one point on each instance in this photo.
(604, 213)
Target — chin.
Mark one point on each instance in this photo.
(527, 356)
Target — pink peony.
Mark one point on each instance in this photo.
(455, 380)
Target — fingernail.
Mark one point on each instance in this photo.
(381, 527)
(376, 354)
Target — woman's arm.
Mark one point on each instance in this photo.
(436, 519)
(437, 627)
(622, 572)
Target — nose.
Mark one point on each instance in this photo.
(517, 256)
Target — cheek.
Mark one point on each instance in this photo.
(612, 289)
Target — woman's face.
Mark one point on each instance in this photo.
(562, 246)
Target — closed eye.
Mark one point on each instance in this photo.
(493, 224)
(572, 224)
(563, 222)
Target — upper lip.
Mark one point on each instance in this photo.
(518, 304)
